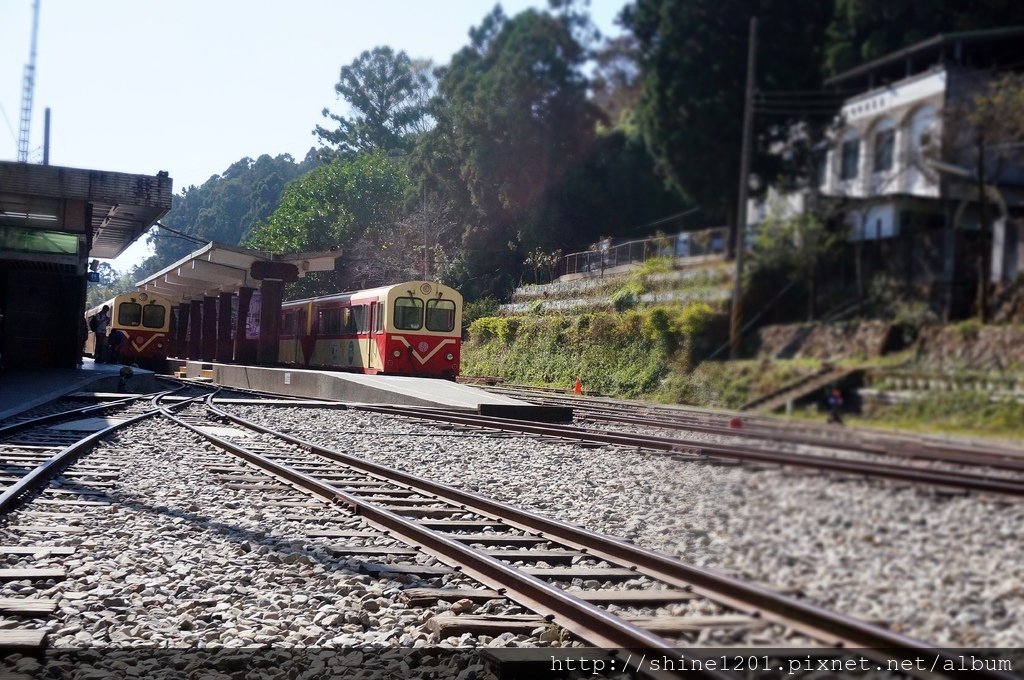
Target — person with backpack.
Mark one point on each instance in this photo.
(99, 325)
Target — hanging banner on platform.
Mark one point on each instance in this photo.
(252, 320)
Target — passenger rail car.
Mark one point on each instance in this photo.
(145, 320)
(412, 328)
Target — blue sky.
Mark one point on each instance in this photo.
(192, 86)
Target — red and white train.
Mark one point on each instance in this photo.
(412, 328)
(145, 320)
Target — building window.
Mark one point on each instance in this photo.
(850, 159)
(884, 143)
(820, 167)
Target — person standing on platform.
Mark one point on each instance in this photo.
(102, 324)
(115, 343)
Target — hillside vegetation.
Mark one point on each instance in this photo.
(627, 354)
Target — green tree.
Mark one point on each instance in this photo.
(387, 93)
(862, 30)
(337, 206)
(797, 247)
(693, 57)
(224, 208)
(512, 120)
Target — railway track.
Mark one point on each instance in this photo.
(500, 547)
(604, 591)
(952, 465)
(859, 439)
(692, 448)
(41, 461)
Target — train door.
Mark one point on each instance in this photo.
(303, 337)
(376, 326)
(371, 339)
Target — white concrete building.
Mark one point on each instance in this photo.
(899, 167)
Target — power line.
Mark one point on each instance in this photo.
(181, 234)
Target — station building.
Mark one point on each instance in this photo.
(898, 171)
(53, 221)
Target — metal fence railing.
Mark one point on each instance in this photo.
(607, 255)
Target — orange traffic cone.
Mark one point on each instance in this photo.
(578, 387)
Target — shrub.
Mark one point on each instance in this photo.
(485, 306)
(628, 296)
(968, 329)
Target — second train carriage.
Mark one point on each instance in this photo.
(145, 319)
(412, 328)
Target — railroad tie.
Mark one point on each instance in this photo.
(425, 597)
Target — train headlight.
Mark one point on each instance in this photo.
(159, 345)
(449, 356)
(397, 353)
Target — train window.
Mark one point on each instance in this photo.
(129, 314)
(440, 315)
(380, 319)
(331, 321)
(288, 324)
(153, 316)
(346, 320)
(359, 319)
(408, 314)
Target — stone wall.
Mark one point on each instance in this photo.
(827, 342)
(968, 346)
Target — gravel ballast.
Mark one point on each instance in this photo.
(942, 568)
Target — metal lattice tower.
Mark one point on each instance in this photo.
(28, 85)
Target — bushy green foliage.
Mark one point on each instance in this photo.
(334, 205)
(626, 354)
(224, 208)
(968, 329)
(730, 384)
(654, 265)
(959, 411)
(628, 296)
(476, 309)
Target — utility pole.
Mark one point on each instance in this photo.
(986, 249)
(736, 319)
(423, 216)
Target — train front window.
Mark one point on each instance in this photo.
(408, 314)
(440, 315)
(129, 314)
(153, 316)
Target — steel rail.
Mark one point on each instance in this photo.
(821, 624)
(961, 481)
(589, 622)
(53, 417)
(42, 474)
(869, 437)
(980, 458)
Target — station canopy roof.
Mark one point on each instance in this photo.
(217, 268)
(120, 206)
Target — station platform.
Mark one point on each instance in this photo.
(21, 390)
(365, 389)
